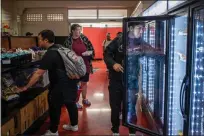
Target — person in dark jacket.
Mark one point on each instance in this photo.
(114, 58)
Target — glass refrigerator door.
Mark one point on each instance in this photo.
(160, 73)
(143, 62)
(177, 72)
(151, 68)
(140, 50)
(197, 94)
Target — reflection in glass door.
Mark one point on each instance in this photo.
(143, 61)
(197, 94)
(177, 71)
(151, 68)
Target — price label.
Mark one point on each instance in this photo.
(6, 61)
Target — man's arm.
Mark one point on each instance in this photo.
(35, 77)
(109, 52)
(149, 51)
(46, 64)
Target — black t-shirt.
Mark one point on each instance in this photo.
(53, 62)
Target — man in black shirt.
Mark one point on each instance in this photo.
(62, 90)
(113, 57)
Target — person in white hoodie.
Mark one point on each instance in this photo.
(107, 41)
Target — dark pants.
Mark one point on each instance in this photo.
(56, 100)
(115, 98)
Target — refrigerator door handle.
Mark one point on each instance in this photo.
(182, 92)
(186, 99)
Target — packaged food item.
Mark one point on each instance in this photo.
(7, 79)
(9, 90)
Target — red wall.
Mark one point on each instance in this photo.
(97, 35)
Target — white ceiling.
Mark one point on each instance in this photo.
(79, 3)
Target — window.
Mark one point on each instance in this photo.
(34, 17)
(55, 17)
(112, 14)
(158, 8)
(82, 14)
(174, 3)
(18, 18)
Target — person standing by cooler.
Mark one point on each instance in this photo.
(113, 57)
(81, 45)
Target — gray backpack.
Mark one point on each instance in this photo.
(74, 64)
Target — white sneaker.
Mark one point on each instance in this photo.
(49, 133)
(116, 134)
(72, 128)
(131, 134)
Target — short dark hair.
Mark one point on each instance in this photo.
(48, 34)
(133, 24)
(74, 27)
(119, 33)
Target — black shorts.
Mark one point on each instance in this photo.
(85, 78)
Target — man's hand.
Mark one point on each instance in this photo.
(74, 77)
(118, 68)
(22, 89)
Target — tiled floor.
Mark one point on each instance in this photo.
(94, 120)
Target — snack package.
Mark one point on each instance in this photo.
(7, 79)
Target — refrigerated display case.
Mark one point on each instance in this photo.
(177, 67)
(150, 75)
(151, 68)
(143, 62)
(153, 71)
(178, 83)
(197, 75)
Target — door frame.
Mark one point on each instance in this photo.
(167, 68)
(192, 9)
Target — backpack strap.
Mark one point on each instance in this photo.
(58, 46)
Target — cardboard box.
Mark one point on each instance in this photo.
(36, 108)
(17, 123)
(26, 116)
(46, 99)
(43, 102)
(8, 128)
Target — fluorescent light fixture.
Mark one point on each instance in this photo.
(136, 8)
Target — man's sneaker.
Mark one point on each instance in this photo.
(79, 106)
(72, 128)
(49, 133)
(131, 134)
(116, 134)
(86, 102)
